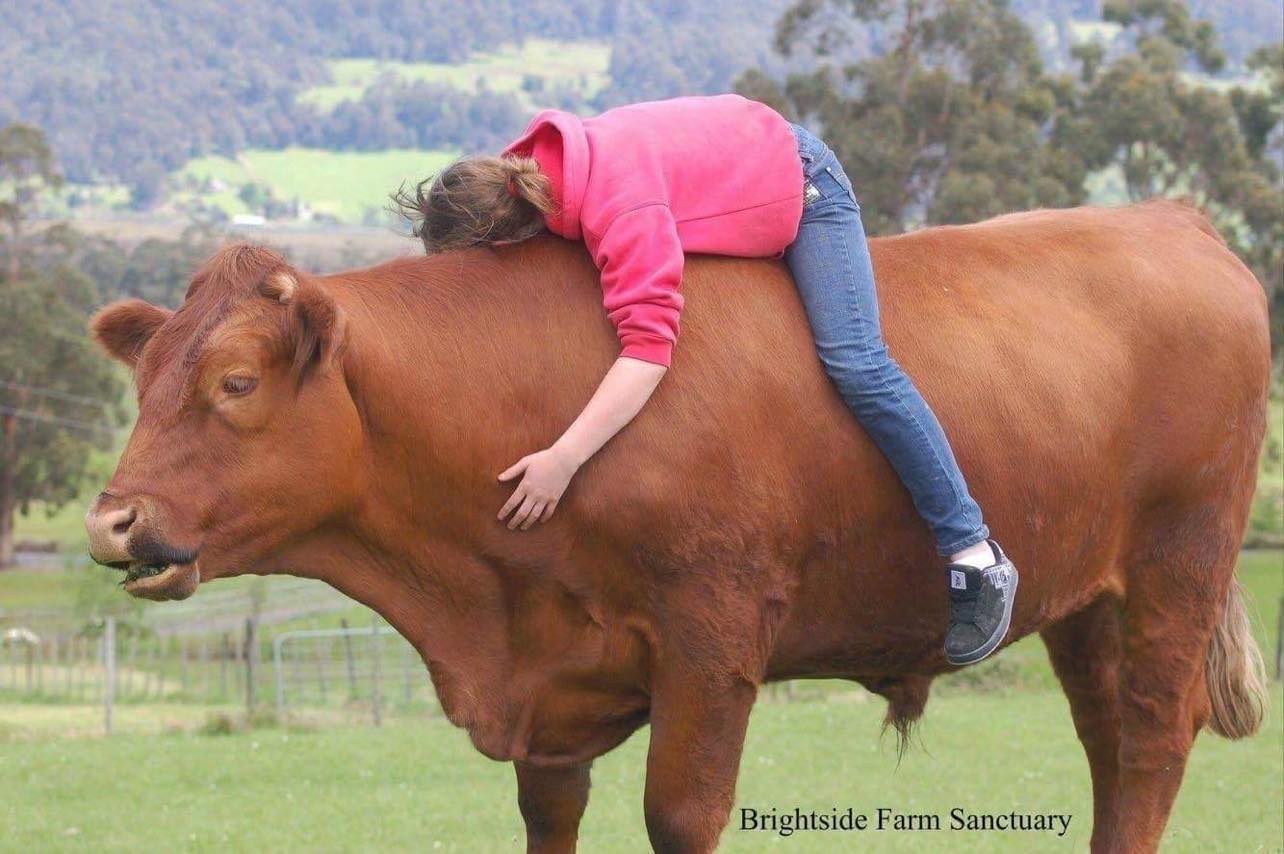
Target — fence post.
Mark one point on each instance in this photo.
(251, 660)
(109, 663)
(347, 653)
(320, 662)
(375, 694)
(224, 693)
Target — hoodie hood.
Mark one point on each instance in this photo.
(556, 139)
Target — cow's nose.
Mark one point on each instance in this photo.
(108, 524)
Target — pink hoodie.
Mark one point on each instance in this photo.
(642, 184)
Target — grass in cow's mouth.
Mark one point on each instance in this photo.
(143, 570)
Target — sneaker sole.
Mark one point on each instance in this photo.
(993, 643)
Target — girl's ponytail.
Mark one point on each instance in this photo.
(476, 201)
(525, 181)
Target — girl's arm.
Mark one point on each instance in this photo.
(624, 390)
(640, 256)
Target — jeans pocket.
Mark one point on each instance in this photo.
(830, 184)
(844, 183)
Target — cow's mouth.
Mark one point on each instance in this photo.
(161, 581)
(135, 571)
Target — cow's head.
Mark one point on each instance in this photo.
(247, 438)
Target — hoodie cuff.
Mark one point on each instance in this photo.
(648, 348)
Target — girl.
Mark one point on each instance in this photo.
(642, 184)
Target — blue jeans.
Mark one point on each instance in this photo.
(831, 266)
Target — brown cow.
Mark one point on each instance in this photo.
(1102, 375)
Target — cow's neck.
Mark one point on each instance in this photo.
(454, 626)
(424, 548)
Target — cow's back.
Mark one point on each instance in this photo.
(1076, 359)
(1082, 363)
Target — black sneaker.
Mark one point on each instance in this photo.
(980, 608)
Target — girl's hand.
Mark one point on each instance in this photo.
(547, 474)
(623, 391)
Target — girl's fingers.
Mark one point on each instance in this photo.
(548, 511)
(521, 514)
(514, 470)
(519, 495)
(536, 512)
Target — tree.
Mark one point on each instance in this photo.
(947, 122)
(55, 392)
(1261, 121)
(953, 119)
(1166, 134)
(26, 171)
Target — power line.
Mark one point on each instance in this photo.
(49, 392)
(53, 419)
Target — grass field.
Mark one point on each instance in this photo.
(345, 184)
(581, 66)
(420, 786)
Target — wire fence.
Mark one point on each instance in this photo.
(346, 667)
(341, 674)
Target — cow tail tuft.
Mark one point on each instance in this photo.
(1234, 672)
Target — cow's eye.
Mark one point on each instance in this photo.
(238, 384)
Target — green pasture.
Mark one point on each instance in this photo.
(581, 66)
(344, 184)
(419, 786)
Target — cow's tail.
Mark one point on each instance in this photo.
(1234, 673)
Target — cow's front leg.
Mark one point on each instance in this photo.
(552, 801)
(697, 733)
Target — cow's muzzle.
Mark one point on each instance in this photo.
(121, 538)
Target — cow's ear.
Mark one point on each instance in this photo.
(316, 324)
(124, 328)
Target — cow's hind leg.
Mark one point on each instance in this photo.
(1086, 653)
(552, 801)
(1176, 596)
(697, 733)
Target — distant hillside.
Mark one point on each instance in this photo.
(131, 90)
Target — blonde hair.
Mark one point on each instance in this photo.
(477, 200)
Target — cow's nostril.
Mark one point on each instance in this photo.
(109, 532)
(122, 526)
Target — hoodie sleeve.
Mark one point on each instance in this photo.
(640, 257)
